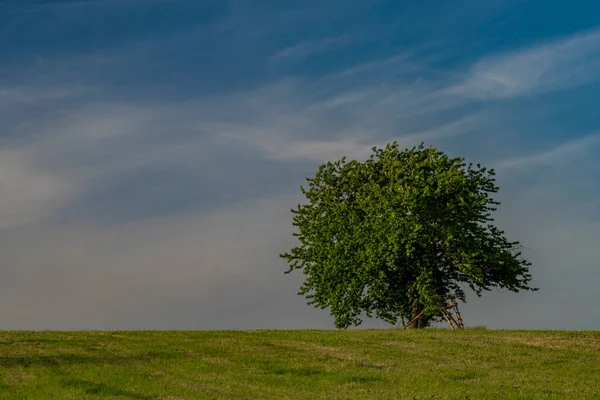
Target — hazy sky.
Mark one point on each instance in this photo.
(150, 150)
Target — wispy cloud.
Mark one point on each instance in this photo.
(53, 159)
(14, 96)
(69, 148)
(556, 156)
(94, 140)
(357, 144)
(558, 65)
(307, 48)
(372, 65)
(287, 121)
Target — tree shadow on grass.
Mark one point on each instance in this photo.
(55, 363)
(71, 359)
(102, 389)
(28, 341)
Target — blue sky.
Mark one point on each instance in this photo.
(150, 150)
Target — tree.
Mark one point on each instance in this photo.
(401, 235)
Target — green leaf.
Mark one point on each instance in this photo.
(399, 234)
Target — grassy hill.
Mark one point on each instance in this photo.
(386, 364)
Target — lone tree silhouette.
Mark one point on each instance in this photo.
(399, 236)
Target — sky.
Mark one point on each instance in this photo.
(151, 150)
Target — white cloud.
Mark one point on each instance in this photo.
(552, 66)
(355, 145)
(312, 150)
(553, 157)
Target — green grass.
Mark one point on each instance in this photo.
(386, 364)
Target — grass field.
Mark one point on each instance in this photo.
(386, 364)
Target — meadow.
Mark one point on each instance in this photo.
(306, 364)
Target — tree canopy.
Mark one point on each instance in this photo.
(401, 235)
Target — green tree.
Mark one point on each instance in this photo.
(400, 235)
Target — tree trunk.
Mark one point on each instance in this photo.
(417, 323)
